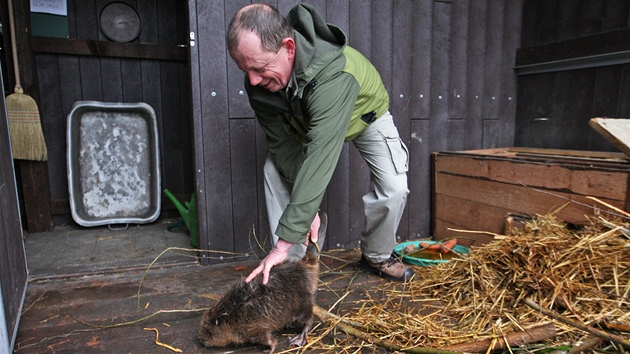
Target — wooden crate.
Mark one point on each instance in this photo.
(476, 190)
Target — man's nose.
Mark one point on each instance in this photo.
(254, 78)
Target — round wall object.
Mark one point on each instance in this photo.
(119, 22)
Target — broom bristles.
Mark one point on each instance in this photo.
(27, 136)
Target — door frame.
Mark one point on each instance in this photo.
(13, 268)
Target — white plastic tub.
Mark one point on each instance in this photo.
(113, 163)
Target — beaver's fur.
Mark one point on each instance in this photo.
(252, 312)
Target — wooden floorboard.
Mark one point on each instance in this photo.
(73, 250)
(55, 307)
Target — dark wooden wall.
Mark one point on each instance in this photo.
(574, 65)
(448, 66)
(152, 69)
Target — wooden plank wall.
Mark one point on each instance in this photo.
(448, 66)
(65, 78)
(554, 107)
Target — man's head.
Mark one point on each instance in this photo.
(261, 43)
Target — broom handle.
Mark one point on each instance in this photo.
(16, 68)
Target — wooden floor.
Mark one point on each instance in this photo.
(60, 311)
(71, 250)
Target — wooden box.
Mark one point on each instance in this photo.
(476, 190)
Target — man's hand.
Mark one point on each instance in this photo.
(277, 255)
(313, 232)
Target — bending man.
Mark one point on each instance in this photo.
(311, 92)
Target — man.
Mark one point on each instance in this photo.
(311, 92)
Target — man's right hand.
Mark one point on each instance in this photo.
(280, 252)
(277, 255)
(313, 231)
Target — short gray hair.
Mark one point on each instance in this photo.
(263, 20)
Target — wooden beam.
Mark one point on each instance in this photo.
(108, 49)
(36, 194)
(602, 49)
(597, 44)
(615, 130)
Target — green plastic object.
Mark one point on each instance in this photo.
(188, 211)
(423, 262)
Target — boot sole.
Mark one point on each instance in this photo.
(409, 273)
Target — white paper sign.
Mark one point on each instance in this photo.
(55, 7)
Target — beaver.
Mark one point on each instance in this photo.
(253, 312)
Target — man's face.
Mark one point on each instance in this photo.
(268, 70)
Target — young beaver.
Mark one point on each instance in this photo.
(252, 312)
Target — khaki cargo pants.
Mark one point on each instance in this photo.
(388, 160)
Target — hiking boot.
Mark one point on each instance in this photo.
(392, 269)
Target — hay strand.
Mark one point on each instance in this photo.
(128, 323)
(164, 345)
(609, 206)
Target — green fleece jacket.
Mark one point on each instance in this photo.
(307, 123)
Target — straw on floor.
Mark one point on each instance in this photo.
(580, 274)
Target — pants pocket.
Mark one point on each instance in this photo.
(399, 153)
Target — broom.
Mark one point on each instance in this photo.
(27, 137)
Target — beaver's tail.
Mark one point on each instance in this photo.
(314, 249)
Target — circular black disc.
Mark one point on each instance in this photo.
(120, 22)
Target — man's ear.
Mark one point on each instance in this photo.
(289, 44)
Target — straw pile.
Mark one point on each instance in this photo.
(581, 274)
